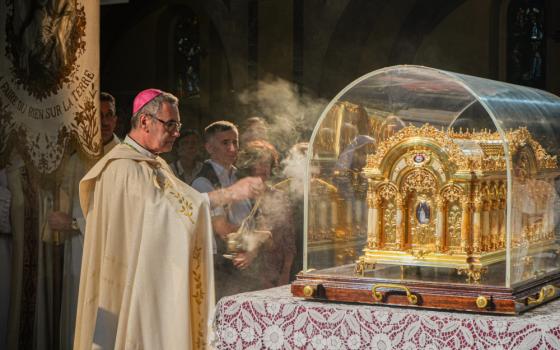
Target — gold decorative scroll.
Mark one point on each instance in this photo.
(49, 80)
(419, 180)
(426, 131)
(451, 188)
(490, 142)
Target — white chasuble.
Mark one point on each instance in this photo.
(147, 274)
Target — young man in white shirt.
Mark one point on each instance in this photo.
(222, 144)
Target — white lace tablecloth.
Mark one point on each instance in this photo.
(273, 319)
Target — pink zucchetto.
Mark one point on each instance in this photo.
(143, 98)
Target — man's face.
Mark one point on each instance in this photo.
(108, 121)
(223, 147)
(160, 137)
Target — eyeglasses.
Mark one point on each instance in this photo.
(169, 125)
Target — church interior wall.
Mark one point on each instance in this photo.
(459, 43)
(275, 39)
(352, 27)
(320, 19)
(131, 62)
(553, 47)
(340, 41)
(384, 32)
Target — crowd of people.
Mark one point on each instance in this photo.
(265, 229)
(152, 245)
(218, 220)
(262, 229)
(251, 231)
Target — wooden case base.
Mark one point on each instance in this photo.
(477, 298)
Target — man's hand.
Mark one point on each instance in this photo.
(59, 221)
(243, 260)
(248, 187)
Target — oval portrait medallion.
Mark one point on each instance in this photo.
(423, 213)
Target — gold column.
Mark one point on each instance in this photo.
(399, 239)
(311, 222)
(540, 203)
(501, 234)
(494, 225)
(551, 216)
(357, 214)
(374, 204)
(323, 219)
(548, 222)
(476, 224)
(349, 215)
(439, 223)
(465, 221)
(485, 225)
(334, 211)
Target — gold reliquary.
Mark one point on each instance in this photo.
(438, 198)
(433, 189)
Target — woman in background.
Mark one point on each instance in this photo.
(273, 213)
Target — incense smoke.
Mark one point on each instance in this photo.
(291, 114)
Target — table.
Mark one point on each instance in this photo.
(274, 319)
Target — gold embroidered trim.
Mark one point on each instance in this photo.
(198, 296)
(186, 206)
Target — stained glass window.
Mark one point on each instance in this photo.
(526, 43)
(187, 41)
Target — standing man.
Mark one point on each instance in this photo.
(70, 221)
(221, 142)
(147, 274)
(74, 222)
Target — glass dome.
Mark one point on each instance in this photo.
(418, 174)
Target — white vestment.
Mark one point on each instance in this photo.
(147, 274)
(74, 245)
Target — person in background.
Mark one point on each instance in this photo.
(76, 169)
(221, 143)
(18, 232)
(254, 128)
(188, 163)
(147, 273)
(70, 222)
(272, 212)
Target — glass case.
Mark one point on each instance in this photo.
(434, 189)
